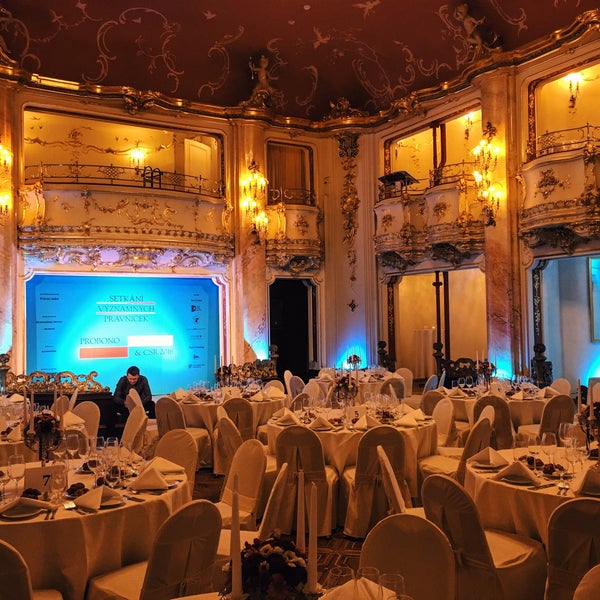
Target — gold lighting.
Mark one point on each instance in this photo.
(137, 158)
(486, 159)
(468, 119)
(254, 187)
(573, 80)
(4, 205)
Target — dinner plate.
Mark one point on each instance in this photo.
(486, 466)
(322, 428)
(592, 493)
(112, 502)
(20, 511)
(517, 480)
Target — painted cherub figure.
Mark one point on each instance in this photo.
(263, 91)
(483, 41)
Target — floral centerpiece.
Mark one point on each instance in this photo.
(272, 569)
(345, 386)
(589, 421)
(42, 433)
(486, 369)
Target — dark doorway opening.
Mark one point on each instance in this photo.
(290, 302)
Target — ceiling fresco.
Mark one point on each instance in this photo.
(295, 58)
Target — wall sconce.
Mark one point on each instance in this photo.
(4, 205)
(137, 158)
(254, 188)
(5, 159)
(486, 159)
(469, 119)
(573, 80)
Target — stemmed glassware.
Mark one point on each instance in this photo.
(549, 444)
(338, 576)
(72, 445)
(534, 447)
(94, 460)
(392, 586)
(58, 483)
(4, 476)
(368, 584)
(16, 469)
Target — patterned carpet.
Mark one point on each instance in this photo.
(336, 550)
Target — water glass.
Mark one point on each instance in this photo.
(16, 469)
(367, 583)
(338, 576)
(392, 586)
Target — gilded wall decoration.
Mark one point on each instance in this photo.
(440, 209)
(548, 182)
(301, 224)
(348, 153)
(387, 221)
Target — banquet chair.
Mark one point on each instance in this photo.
(431, 383)
(314, 391)
(429, 400)
(443, 415)
(502, 427)
(169, 415)
(301, 448)
(61, 405)
(274, 383)
(408, 377)
(454, 461)
(573, 546)
(393, 385)
(505, 565)
(15, 580)
(300, 402)
(239, 410)
(133, 399)
(248, 468)
(90, 413)
(559, 409)
(442, 379)
(589, 585)
(395, 499)
(287, 375)
(268, 523)
(135, 426)
(415, 548)
(73, 399)
(562, 386)
(181, 562)
(226, 441)
(296, 385)
(362, 499)
(179, 446)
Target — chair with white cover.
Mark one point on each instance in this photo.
(248, 467)
(296, 385)
(179, 446)
(502, 427)
(268, 523)
(393, 387)
(429, 400)
(287, 375)
(442, 379)
(573, 546)
(589, 585)
(133, 399)
(395, 498)
(239, 410)
(61, 405)
(301, 448)
(73, 399)
(489, 563)
(443, 415)
(300, 403)
(362, 498)
(315, 392)
(454, 460)
(169, 415)
(416, 549)
(559, 409)
(90, 413)
(275, 384)
(431, 383)
(408, 377)
(132, 437)
(562, 386)
(226, 441)
(181, 562)
(15, 580)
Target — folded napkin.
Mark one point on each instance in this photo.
(288, 418)
(279, 413)
(164, 466)
(518, 472)
(406, 421)
(260, 396)
(588, 485)
(456, 393)
(273, 392)
(179, 394)
(518, 395)
(22, 501)
(418, 415)
(150, 479)
(15, 434)
(366, 422)
(547, 392)
(489, 457)
(320, 424)
(362, 588)
(96, 497)
(70, 419)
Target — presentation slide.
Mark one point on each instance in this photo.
(168, 327)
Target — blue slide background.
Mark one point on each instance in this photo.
(62, 317)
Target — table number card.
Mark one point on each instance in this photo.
(39, 477)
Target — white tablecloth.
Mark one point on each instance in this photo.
(64, 553)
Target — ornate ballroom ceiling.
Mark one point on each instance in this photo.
(371, 52)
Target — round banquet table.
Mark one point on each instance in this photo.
(512, 508)
(204, 414)
(9, 448)
(340, 447)
(65, 553)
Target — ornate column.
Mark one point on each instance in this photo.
(504, 330)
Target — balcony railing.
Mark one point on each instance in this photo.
(567, 139)
(113, 175)
(291, 196)
(459, 173)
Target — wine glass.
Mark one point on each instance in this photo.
(338, 576)
(60, 451)
(72, 445)
(16, 469)
(534, 447)
(520, 449)
(367, 583)
(462, 382)
(469, 381)
(57, 484)
(548, 445)
(4, 476)
(392, 586)
(565, 432)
